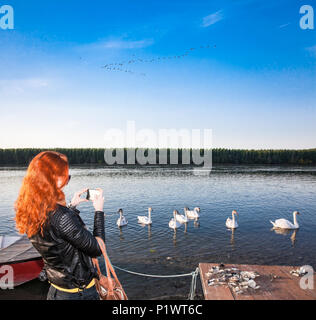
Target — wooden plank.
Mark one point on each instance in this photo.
(212, 292)
(284, 287)
(294, 286)
(267, 290)
(246, 295)
(20, 250)
(271, 290)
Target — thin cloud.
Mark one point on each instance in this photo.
(311, 50)
(284, 25)
(119, 44)
(126, 44)
(18, 86)
(212, 18)
(73, 124)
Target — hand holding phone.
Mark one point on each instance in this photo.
(92, 193)
(76, 198)
(96, 196)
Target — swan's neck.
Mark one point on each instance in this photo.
(233, 216)
(294, 219)
(121, 215)
(149, 215)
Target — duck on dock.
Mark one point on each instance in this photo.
(232, 223)
(145, 219)
(121, 221)
(286, 224)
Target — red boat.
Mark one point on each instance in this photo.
(19, 253)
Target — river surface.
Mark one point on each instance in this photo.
(258, 193)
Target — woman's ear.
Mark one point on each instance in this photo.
(59, 183)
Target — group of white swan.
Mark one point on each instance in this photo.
(277, 224)
(179, 219)
(121, 221)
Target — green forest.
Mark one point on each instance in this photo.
(22, 157)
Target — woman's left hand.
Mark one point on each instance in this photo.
(76, 198)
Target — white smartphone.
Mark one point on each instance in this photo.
(91, 193)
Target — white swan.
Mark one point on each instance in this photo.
(173, 223)
(182, 218)
(286, 224)
(192, 214)
(145, 219)
(121, 221)
(232, 223)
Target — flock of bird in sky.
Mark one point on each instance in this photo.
(123, 65)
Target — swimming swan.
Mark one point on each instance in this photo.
(121, 221)
(145, 219)
(192, 214)
(232, 223)
(173, 223)
(182, 218)
(286, 224)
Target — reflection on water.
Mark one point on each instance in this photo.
(149, 231)
(259, 194)
(148, 226)
(197, 223)
(287, 232)
(293, 237)
(232, 238)
(121, 233)
(174, 237)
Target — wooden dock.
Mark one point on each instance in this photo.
(276, 283)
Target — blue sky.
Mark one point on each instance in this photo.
(254, 86)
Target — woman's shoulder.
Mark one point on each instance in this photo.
(66, 215)
(62, 209)
(60, 212)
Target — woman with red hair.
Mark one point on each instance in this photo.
(57, 231)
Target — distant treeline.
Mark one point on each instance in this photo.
(220, 156)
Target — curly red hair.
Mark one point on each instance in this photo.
(41, 190)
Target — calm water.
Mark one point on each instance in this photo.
(257, 193)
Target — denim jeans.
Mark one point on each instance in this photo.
(87, 294)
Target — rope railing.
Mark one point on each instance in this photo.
(193, 274)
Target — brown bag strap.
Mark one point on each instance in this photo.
(108, 265)
(105, 255)
(96, 263)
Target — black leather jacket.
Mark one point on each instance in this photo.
(67, 247)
